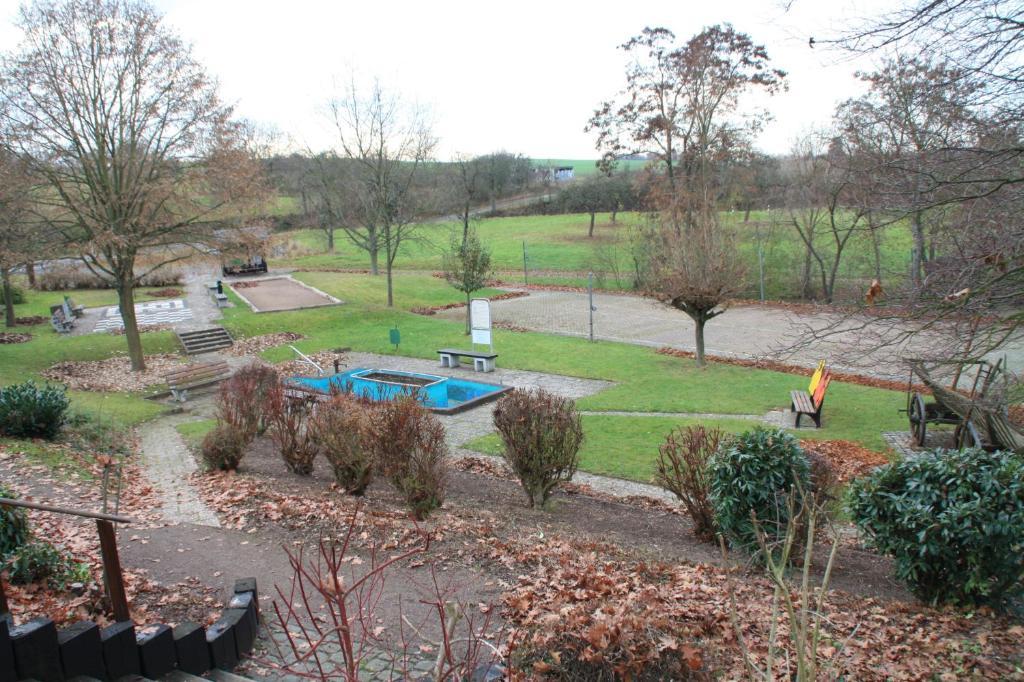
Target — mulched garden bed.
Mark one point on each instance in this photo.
(113, 374)
(433, 310)
(593, 577)
(254, 345)
(167, 293)
(13, 337)
(31, 320)
(787, 368)
(848, 460)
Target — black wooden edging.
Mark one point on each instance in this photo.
(36, 649)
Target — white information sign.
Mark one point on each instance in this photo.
(482, 336)
(480, 321)
(480, 313)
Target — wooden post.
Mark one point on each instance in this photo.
(112, 570)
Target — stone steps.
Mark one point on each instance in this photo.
(204, 340)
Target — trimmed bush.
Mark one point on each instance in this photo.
(682, 469)
(339, 427)
(223, 447)
(30, 411)
(40, 560)
(14, 530)
(755, 474)
(289, 430)
(408, 446)
(953, 520)
(542, 434)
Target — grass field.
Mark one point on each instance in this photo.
(585, 167)
(559, 252)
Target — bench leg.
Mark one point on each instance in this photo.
(449, 361)
(817, 419)
(488, 364)
(798, 415)
(179, 394)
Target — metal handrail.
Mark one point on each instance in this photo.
(305, 358)
(6, 501)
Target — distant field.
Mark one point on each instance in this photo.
(559, 252)
(583, 167)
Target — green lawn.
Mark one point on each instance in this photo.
(646, 381)
(559, 252)
(625, 447)
(643, 380)
(194, 432)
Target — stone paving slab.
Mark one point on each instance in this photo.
(168, 464)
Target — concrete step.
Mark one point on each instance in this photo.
(204, 340)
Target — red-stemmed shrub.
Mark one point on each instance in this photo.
(682, 469)
(289, 429)
(242, 399)
(339, 428)
(542, 434)
(408, 445)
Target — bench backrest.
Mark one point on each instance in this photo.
(818, 397)
(68, 312)
(816, 378)
(197, 371)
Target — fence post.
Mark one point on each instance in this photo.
(112, 570)
(526, 279)
(590, 302)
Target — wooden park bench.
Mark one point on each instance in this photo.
(482, 362)
(810, 402)
(194, 376)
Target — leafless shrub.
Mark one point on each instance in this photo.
(339, 427)
(682, 470)
(542, 434)
(408, 444)
(288, 420)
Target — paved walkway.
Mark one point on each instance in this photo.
(168, 463)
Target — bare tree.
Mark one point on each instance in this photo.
(696, 272)
(468, 186)
(19, 236)
(126, 128)
(388, 142)
(820, 202)
(680, 103)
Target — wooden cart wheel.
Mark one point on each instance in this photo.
(918, 419)
(967, 435)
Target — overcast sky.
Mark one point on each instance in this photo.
(521, 76)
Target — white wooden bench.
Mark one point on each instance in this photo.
(482, 362)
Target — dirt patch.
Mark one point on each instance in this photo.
(30, 321)
(280, 293)
(254, 345)
(12, 337)
(113, 374)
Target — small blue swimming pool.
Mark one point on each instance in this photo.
(439, 393)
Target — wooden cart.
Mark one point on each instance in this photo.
(978, 424)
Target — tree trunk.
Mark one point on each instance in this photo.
(391, 295)
(9, 319)
(468, 314)
(805, 277)
(465, 222)
(126, 300)
(917, 256)
(698, 330)
(876, 247)
(30, 270)
(330, 239)
(590, 232)
(374, 269)
(615, 213)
